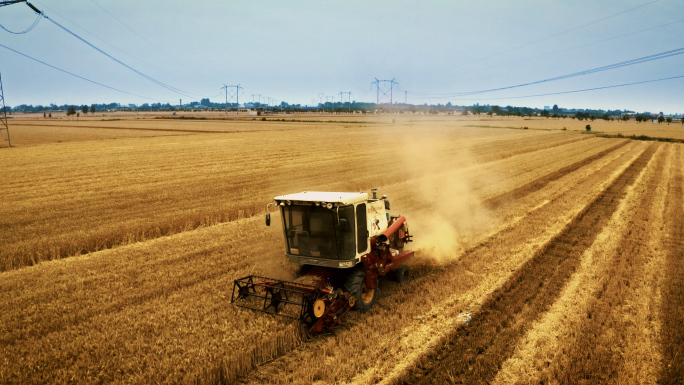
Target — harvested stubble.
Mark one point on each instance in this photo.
(672, 300)
(543, 351)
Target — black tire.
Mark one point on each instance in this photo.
(402, 274)
(355, 285)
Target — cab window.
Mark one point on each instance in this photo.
(361, 228)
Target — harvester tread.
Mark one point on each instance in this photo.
(353, 284)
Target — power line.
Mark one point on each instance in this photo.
(27, 30)
(158, 82)
(576, 47)
(585, 89)
(558, 34)
(78, 76)
(143, 38)
(644, 59)
(103, 41)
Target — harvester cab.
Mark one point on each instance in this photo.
(344, 243)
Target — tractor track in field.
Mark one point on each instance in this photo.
(539, 183)
(599, 351)
(672, 304)
(474, 352)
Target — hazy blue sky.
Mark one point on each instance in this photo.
(294, 50)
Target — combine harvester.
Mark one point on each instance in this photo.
(345, 242)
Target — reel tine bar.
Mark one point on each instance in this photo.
(273, 296)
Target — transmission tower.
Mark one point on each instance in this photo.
(3, 117)
(384, 89)
(235, 95)
(331, 100)
(349, 94)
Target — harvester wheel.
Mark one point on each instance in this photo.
(402, 274)
(356, 286)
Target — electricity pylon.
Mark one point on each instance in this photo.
(3, 116)
(385, 90)
(235, 95)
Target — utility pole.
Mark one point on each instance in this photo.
(4, 126)
(405, 96)
(235, 95)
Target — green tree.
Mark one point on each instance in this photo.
(71, 111)
(660, 119)
(555, 109)
(625, 117)
(682, 120)
(84, 109)
(669, 120)
(92, 108)
(588, 127)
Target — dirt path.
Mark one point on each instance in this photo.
(475, 352)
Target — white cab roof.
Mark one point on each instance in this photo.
(325, 196)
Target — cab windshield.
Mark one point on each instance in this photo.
(316, 231)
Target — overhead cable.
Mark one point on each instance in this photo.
(560, 33)
(26, 30)
(582, 90)
(644, 59)
(577, 46)
(194, 71)
(160, 83)
(78, 76)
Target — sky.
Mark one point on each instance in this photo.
(303, 52)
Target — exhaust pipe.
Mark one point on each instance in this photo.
(375, 193)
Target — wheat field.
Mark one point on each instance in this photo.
(542, 254)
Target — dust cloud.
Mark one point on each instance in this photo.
(445, 214)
